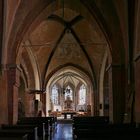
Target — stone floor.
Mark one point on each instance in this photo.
(63, 130)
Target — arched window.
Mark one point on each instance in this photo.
(54, 95)
(68, 93)
(82, 95)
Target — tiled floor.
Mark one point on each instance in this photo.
(63, 131)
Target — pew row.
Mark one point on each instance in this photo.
(26, 134)
(99, 128)
(49, 124)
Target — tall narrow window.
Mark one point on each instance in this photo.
(68, 93)
(82, 95)
(54, 95)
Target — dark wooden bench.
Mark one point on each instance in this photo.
(25, 137)
(52, 121)
(41, 129)
(94, 119)
(89, 122)
(109, 132)
(99, 128)
(18, 133)
(42, 123)
(22, 127)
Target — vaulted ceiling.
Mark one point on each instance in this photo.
(64, 33)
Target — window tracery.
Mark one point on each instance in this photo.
(54, 95)
(82, 95)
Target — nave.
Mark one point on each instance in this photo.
(69, 57)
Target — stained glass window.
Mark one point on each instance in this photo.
(82, 95)
(54, 95)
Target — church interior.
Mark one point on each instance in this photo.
(70, 60)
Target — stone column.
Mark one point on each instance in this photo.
(137, 61)
(116, 93)
(12, 73)
(43, 100)
(137, 89)
(3, 102)
(29, 104)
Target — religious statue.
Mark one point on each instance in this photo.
(21, 109)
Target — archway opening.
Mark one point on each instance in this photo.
(69, 90)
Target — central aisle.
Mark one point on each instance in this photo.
(63, 130)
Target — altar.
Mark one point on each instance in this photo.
(68, 104)
(68, 108)
(71, 113)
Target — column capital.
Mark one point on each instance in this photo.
(10, 66)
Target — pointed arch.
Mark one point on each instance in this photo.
(35, 67)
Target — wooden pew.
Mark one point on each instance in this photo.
(41, 129)
(18, 136)
(132, 134)
(14, 137)
(94, 119)
(103, 126)
(9, 138)
(33, 128)
(51, 119)
(26, 134)
(89, 122)
(108, 132)
(42, 124)
(99, 128)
